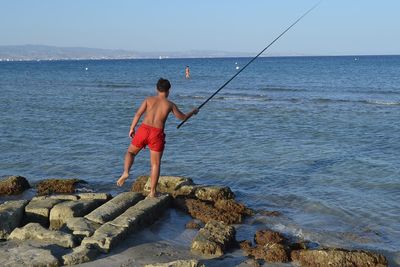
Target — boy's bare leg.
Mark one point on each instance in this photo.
(155, 161)
(129, 159)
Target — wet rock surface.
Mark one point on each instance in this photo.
(34, 231)
(26, 255)
(338, 258)
(214, 239)
(81, 254)
(13, 185)
(11, 216)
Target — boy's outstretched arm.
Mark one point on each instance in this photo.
(136, 118)
(182, 116)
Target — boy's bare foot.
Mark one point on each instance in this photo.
(153, 194)
(122, 179)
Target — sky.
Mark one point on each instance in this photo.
(336, 27)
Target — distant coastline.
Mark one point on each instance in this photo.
(50, 53)
(54, 53)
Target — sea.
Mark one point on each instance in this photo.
(314, 138)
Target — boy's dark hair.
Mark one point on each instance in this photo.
(163, 85)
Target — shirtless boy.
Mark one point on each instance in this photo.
(151, 132)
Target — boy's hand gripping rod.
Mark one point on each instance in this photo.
(242, 69)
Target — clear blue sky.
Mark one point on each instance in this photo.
(336, 27)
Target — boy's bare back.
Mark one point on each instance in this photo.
(157, 109)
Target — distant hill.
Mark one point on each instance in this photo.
(44, 52)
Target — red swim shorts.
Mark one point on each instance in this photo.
(150, 136)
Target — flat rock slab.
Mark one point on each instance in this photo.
(11, 215)
(26, 255)
(142, 214)
(60, 197)
(39, 210)
(80, 226)
(214, 239)
(106, 237)
(81, 254)
(114, 207)
(338, 258)
(34, 231)
(68, 209)
(91, 196)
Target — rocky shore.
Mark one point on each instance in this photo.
(61, 226)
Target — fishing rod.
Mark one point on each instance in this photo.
(254, 58)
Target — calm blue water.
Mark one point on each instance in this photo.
(316, 138)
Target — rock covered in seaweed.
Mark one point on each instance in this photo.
(13, 185)
(206, 211)
(193, 225)
(214, 239)
(214, 193)
(270, 246)
(51, 186)
(334, 257)
(203, 202)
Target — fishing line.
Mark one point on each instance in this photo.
(262, 51)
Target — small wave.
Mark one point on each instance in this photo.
(244, 98)
(376, 91)
(115, 85)
(230, 97)
(382, 102)
(373, 102)
(282, 89)
(192, 96)
(330, 100)
(105, 85)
